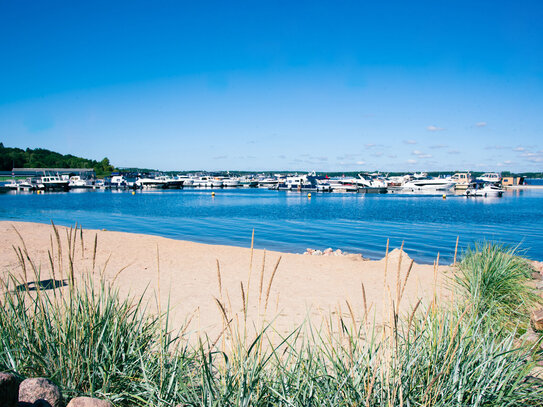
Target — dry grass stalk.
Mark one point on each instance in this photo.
(455, 250)
(270, 283)
(404, 284)
(261, 278)
(94, 251)
(219, 276)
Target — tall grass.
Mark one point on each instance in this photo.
(494, 279)
(92, 341)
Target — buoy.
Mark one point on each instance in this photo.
(133, 192)
(213, 194)
(309, 195)
(444, 196)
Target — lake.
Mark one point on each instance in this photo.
(291, 222)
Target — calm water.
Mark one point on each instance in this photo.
(290, 222)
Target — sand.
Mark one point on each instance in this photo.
(186, 275)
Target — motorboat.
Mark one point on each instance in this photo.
(231, 182)
(77, 181)
(484, 189)
(268, 182)
(490, 177)
(203, 182)
(371, 183)
(53, 183)
(28, 184)
(151, 183)
(343, 184)
(461, 180)
(187, 181)
(247, 182)
(171, 182)
(427, 185)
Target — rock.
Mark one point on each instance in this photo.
(328, 251)
(537, 319)
(539, 285)
(88, 402)
(316, 253)
(9, 390)
(338, 252)
(32, 390)
(537, 276)
(538, 266)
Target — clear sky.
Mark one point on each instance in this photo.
(262, 85)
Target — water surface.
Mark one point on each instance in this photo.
(290, 222)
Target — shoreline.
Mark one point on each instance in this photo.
(184, 275)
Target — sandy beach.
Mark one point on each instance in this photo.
(186, 275)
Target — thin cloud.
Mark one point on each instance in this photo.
(410, 142)
(411, 161)
(480, 124)
(434, 128)
(453, 152)
(519, 148)
(369, 145)
(361, 162)
(436, 146)
(220, 157)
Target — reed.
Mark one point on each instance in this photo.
(92, 341)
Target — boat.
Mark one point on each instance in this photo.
(371, 183)
(28, 184)
(461, 180)
(53, 183)
(426, 185)
(247, 182)
(151, 183)
(484, 189)
(231, 182)
(77, 181)
(268, 182)
(171, 182)
(493, 177)
(187, 181)
(343, 184)
(203, 182)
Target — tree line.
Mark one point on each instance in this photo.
(42, 158)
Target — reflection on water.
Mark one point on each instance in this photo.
(290, 221)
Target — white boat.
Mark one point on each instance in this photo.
(343, 184)
(371, 183)
(484, 189)
(170, 182)
(22, 185)
(151, 183)
(268, 182)
(203, 182)
(77, 181)
(231, 182)
(427, 185)
(187, 181)
(490, 177)
(247, 182)
(53, 182)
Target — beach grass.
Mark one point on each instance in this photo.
(92, 341)
(494, 280)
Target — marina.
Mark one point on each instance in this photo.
(291, 221)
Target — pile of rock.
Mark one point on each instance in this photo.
(332, 252)
(325, 252)
(39, 392)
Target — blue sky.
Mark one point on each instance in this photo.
(389, 85)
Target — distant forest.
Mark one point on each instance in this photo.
(41, 158)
